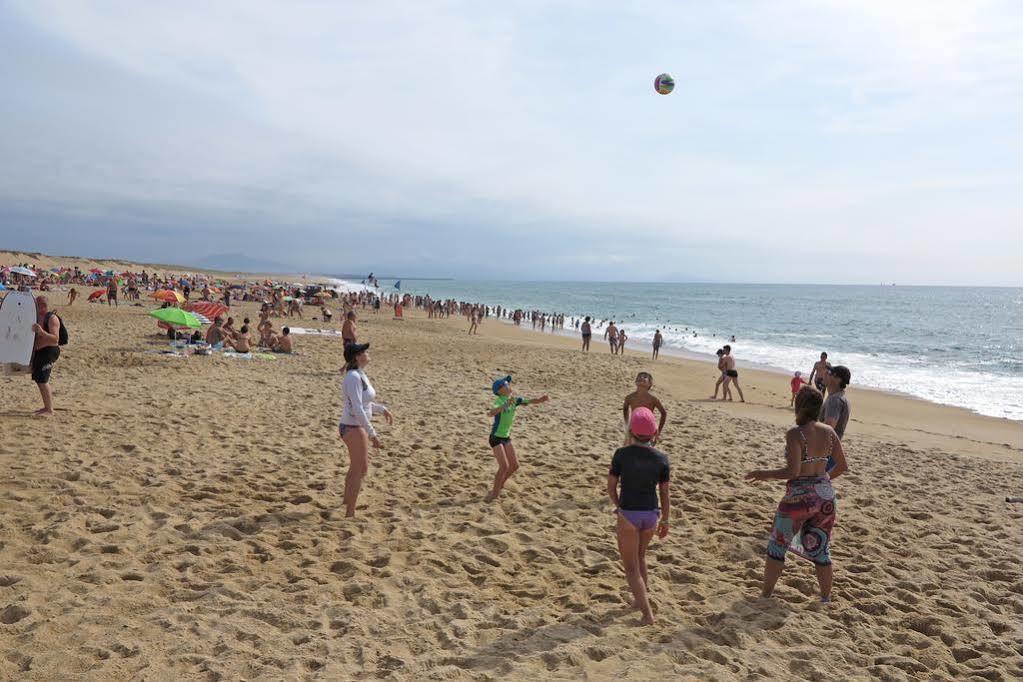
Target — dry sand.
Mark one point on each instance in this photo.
(180, 519)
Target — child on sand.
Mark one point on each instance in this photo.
(503, 413)
(807, 511)
(642, 397)
(643, 474)
(796, 384)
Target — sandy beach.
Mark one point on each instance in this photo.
(181, 518)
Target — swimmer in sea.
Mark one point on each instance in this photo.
(503, 413)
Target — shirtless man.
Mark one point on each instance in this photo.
(819, 373)
(658, 340)
(112, 293)
(731, 375)
(216, 334)
(284, 342)
(348, 337)
(642, 397)
(611, 334)
(267, 338)
(587, 334)
(241, 340)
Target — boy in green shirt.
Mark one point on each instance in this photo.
(500, 433)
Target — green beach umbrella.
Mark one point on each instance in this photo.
(176, 317)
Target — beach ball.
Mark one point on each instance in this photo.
(664, 84)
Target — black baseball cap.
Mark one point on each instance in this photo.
(842, 372)
(354, 349)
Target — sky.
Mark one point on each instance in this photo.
(824, 141)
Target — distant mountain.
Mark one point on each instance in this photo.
(238, 262)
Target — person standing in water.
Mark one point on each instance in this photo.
(503, 413)
(355, 426)
(807, 511)
(587, 334)
(658, 340)
(639, 474)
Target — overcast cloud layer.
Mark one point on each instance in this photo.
(806, 141)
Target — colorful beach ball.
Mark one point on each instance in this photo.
(664, 84)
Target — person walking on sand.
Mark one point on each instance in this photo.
(503, 413)
(355, 427)
(611, 335)
(639, 474)
(721, 373)
(45, 351)
(819, 372)
(658, 340)
(642, 397)
(112, 292)
(587, 334)
(807, 511)
(731, 375)
(72, 296)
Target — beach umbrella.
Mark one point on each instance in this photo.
(208, 309)
(176, 317)
(168, 296)
(23, 271)
(202, 318)
(96, 294)
(96, 271)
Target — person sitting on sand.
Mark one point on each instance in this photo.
(807, 511)
(267, 337)
(356, 427)
(215, 334)
(326, 314)
(503, 414)
(643, 474)
(797, 383)
(642, 397)
(229, 329)
(240, 341)
(283, 344)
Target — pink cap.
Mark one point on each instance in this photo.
(642, 423)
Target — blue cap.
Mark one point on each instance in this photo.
(500, 383)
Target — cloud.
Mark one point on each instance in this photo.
(444, 129)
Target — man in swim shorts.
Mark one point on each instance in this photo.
(658, 340)
(819, 372)
(731, 375)
(611, 334)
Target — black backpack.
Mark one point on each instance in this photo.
(62, 337)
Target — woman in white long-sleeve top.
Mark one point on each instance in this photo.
(356, 428)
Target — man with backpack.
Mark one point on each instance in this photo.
(45, 352)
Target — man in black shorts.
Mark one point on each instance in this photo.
(819, 373)
(45, 352)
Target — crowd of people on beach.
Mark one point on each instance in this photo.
(638, 481)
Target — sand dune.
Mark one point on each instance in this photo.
(180, 519)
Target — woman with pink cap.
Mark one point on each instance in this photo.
(642, 474)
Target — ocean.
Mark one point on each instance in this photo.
(952, 345)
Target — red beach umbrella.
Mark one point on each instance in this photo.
(96, 294)
(211, 310)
